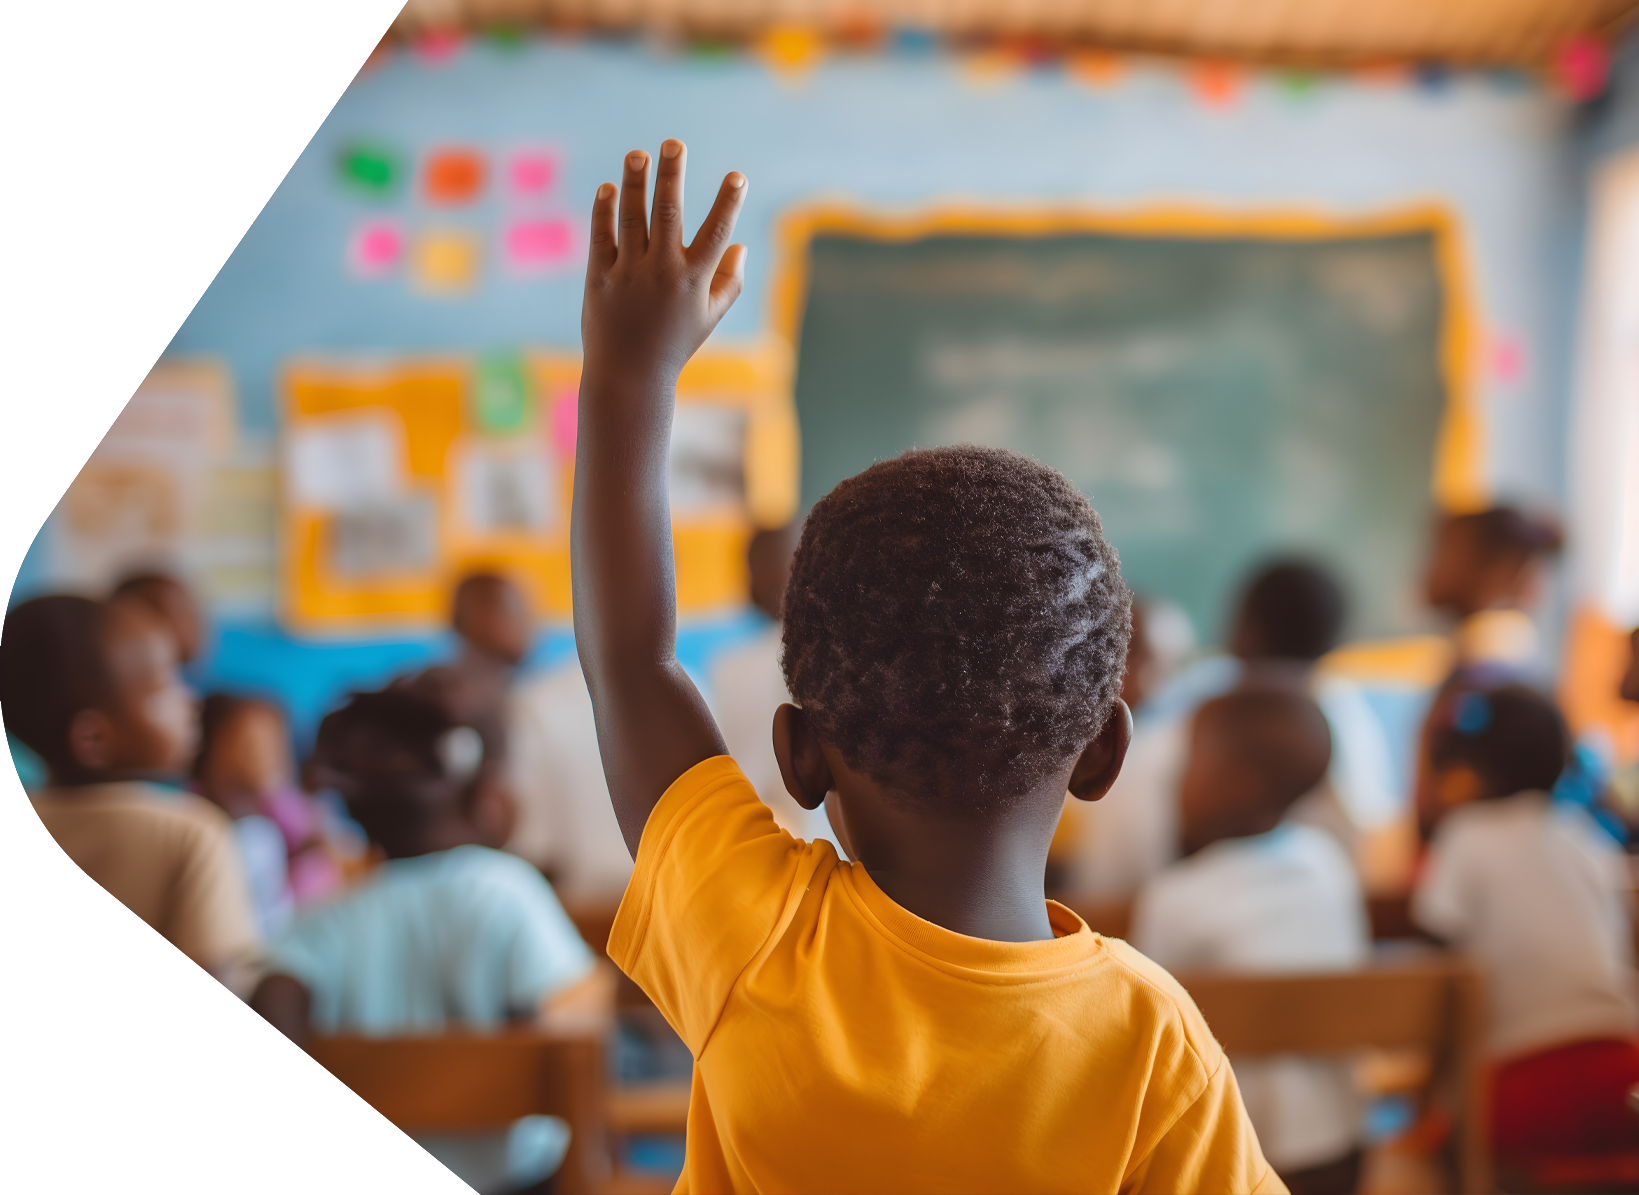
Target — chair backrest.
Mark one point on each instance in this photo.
(474, 1081)
(1431, 1003)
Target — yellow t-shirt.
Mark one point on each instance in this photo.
(844, 1044)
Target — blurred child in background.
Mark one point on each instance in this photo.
(245, 765)
(1259, 891)
(93, 689)
(1541, 899)
(1289, 615)
(449, 930)
(1484, 571)
(174, 604)
(234, 766)
(564, 824)
(747, 686)
(1105, 850)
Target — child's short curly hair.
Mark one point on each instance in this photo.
(956, 625)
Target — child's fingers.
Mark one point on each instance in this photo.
(603, 227)
(634, 225)
(666, 225)
(728, 281)
(715, 233)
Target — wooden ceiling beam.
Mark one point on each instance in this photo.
(1312, 32)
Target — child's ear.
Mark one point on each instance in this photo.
(91, 740)
(1101, 762)
(803, 766)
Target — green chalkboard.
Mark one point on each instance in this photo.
(1218, 400)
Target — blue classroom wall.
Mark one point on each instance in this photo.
(901, 132)
(893, 131)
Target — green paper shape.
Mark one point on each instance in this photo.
(371, 168)
(502, 398)
(505, 37)
(1300, 85)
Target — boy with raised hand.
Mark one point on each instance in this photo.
(920, 1018)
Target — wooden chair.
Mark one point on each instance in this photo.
(1433, 1003)
(457, 1082)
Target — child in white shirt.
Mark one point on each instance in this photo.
(1258, 891)
(1540, 897)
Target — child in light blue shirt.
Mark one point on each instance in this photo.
(449, 931)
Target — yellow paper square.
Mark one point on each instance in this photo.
(445, 261)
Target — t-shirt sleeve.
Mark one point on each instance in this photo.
(210, 918)
(1441, 904)
(1210, 1147)
(714, 875)
(548, 954)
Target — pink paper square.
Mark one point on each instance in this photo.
(1507, 359)
(532, 172)
(534, 246)
(566, 420)
(375, 249)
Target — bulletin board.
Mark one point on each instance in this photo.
(1223, 386)
(401, 475)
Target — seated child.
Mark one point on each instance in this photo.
(954, 631)
(449, 930)
(175, 606)
(245, 766)
(1260, 891)
(92, 688)
(1541, 899)
(1483, 571)
(1104, 851)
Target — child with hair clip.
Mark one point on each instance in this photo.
(449, 931)
(1540, 897)
(955, 630)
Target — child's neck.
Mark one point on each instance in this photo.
(973, 874)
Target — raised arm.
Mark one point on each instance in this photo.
(650, 303)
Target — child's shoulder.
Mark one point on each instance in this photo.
(478, 872)
(158, 806)
(1149, 993)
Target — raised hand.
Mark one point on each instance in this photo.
(651, 301)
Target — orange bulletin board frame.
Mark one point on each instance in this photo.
(431, 398)
(1459, 482)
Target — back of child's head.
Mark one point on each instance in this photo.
(172, 601)
(1509, 735)
(768, 563)
(491, 614)
(53, 664)
(404, 764)
(1292, 610)
(1507, 529)
(1485, 558)
(956, 624)
(1275, 732)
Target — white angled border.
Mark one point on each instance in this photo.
(140, 139)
